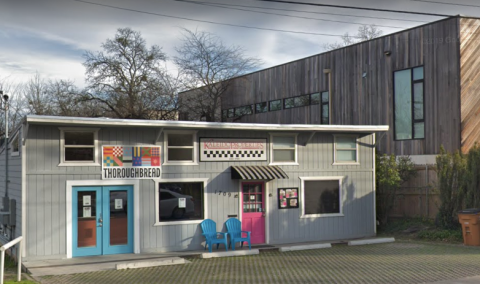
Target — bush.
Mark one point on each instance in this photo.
(391, 172)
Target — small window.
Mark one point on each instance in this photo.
(325, 111)
(243, 110)
(79, 146)
(261, 107)
(322, 196)
(180, 147)
(284, 149)
(288, 103)
(224, 114)
(315, 99)
(302, 100)
(230, 113)
(180, 201)
(346, 149)
(275, 105)
(15, 146)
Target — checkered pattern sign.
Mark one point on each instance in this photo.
(232, 149)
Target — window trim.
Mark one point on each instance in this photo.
(295, 135)
(321, 178)
(413, 81)
(179, 180)
(96, 153)
(340, 163)
(194, 147)
(12, 152)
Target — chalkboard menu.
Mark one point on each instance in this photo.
(288, 198)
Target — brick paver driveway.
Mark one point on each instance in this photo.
(399, 262)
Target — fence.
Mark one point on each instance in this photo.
(19, 257)
(418, 197)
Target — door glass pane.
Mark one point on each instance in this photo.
(87, 223)
(118, 218)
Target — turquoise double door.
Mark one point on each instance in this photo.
(102, 220)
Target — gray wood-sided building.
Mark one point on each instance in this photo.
(94, 186)
(422, 82)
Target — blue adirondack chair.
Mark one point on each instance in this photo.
(209, 228)
(234, 229)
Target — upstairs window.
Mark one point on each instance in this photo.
(322, 99)
(408, 104)
(346, 149)
(79, 146)
(298, 101)
(283, 149)
(275, 105)
(261, 107)
(181, 147)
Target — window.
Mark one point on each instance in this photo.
(181, 147)
(243, 110)
(275, 105)
(296, 101)
(261, 107)
(180, 201)
(283, 149)
(325, 108)
(79, 146)
(315, 99)
(408, 104)
(345, 149)
(15, 146)
(321, 196)
(230, 113)
(224, 114)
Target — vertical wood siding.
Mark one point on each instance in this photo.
(470, 84)
(46, 192)
(368, 100)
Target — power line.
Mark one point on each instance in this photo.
(208, 22)
(444, 3)
(311, 12)
(284, 15)
(355, 7)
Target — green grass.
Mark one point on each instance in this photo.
(420, 229)
(11, 273)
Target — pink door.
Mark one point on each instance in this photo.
(253, 216)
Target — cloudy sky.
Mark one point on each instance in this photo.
(51, 36)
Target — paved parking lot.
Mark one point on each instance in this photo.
(399, 262)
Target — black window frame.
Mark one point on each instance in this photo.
(414, 121)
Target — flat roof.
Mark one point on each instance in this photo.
(112, 122)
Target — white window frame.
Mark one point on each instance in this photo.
(323, 178)
(157, 203)
(194, 148)
(272, 135)
(12, 141)
(79, 163)
(335, 148)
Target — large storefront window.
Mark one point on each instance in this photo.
(322, 196)
(180, 201)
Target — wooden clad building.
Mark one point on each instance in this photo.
(95, 186)
(422, 82)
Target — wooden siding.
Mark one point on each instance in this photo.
(46, 192)
(470, 84)
(368, 100)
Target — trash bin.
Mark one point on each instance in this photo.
(470, 220)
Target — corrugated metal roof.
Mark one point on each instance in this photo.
(258, 172)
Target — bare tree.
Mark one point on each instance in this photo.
(127, 79)
(16, 106)
(209, 67)
(365, 32)
(38, 99)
